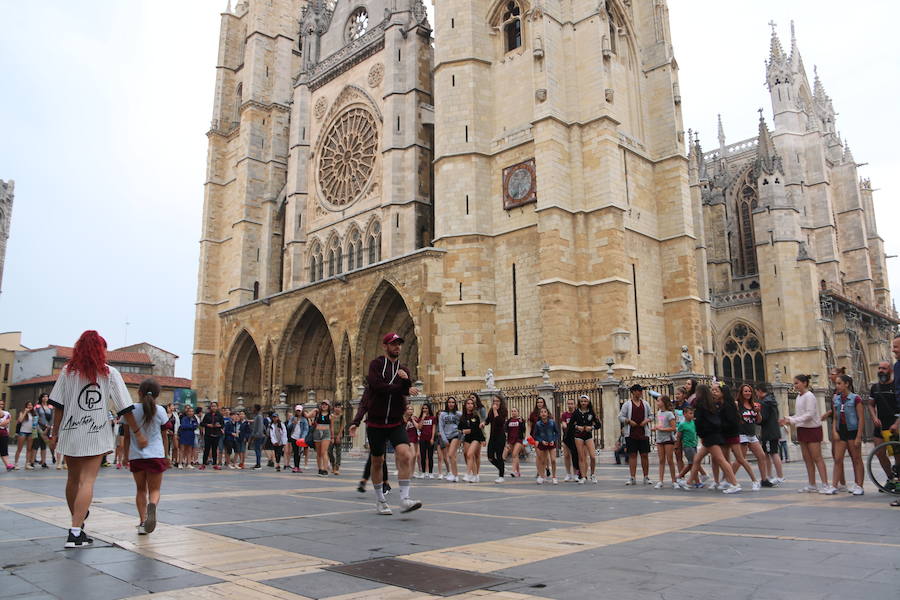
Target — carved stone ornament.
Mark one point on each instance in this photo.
(519, 184)
(347, 156)
(320, 108)
(376, 75)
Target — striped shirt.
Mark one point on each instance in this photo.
(85, 429)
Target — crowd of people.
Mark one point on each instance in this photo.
(90, 415)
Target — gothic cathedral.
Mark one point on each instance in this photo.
(509, 189)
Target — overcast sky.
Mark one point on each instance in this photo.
(104, 106)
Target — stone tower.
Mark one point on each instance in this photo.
(7, 191)
(561, 197)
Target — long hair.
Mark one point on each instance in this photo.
(89, 356)
(148, 392)
(422, 410)
(741, 395)
(502, 412)
(455, 405)
(666, 402)
(705, 399)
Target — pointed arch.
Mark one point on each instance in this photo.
(334, 255)
(746, 198)
(386, 311)
(243, 374)
(372, 241)
(354, 248)
(742, 353)
(316, 261)
(306, 358)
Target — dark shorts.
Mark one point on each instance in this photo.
(769, 446)
(38, 443)
(666, 443)
(809, 434)
(546, 445)
(733, 440)
(148, 465)
(846, 435)
(379, 436)
(689, 454)
(583, 435)
(715, 439)
(633, 446)
(4, 445)
(230, 445)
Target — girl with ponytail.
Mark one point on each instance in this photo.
(149, 463)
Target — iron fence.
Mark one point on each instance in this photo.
(573, 390)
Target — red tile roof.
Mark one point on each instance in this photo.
(130, 379)
(112, 356)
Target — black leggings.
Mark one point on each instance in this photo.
(279, 452)
(426, 453)
(573, 453)
(367, 470)
(211, 445)
(296, 449)
(495, 452)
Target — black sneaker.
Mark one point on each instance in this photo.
(150, 521)
(271, 463)
(80, 541)
(257, 468)
(766, 483)
(44, 466)
(361, 488)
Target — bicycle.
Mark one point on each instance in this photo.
(886, 483)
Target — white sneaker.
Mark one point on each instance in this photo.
(857, 491)
(499, 480)
(723, 485)
(827, 490)
(630, 481)
(477, 479)
(581, 481)
(568, 478)
(191, 467)
(409, 505)
(807, 489)
(647, 481)
(467, 478)
(842, 488)
(675, 485)
(418, 476)
(756, 486)
(555, 481)
(658, 486)
(382, 508)
(449, 477)
(594, 479)
(141, 530)
(732, 489)
(704, 478)
(539, 480)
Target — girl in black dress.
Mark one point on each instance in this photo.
(472, 429)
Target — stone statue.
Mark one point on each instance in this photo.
(489, 380)
(687, 361)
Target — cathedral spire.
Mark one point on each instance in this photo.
(228, 8)
(766, 155)
(795, 59)
(776, 52)
(819, 92)
(848, 156)
(721, 133)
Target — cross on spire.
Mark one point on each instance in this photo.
(773, 25)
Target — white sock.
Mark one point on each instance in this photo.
(76, 531)
(379, 491)
(404, 488)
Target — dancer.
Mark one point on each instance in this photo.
(570, 451)
(687, 438)
(515, 436)
(496, 418)
(847, 434)
(25, 425)
(149, 463)
(769, 433)
(731, 431)
(665, 428)
(678, 406)
(535, 415)
(389, 386)
(186, 428)
(809, 434)
(412, 434)
(709, 428)
(426, 441)
(546, 435)
(472, 427)
(635, 418)
(750, 413)
(83, 390)
(322, 437)
(448, 429)
(584, 422)
(278, 437)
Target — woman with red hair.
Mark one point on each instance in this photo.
(86, 389)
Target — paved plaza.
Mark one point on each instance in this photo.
(248, 535)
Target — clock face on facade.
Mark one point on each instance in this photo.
(519, 184)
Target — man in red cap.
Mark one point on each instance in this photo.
(384, 403)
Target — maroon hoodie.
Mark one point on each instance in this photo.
(385, 397)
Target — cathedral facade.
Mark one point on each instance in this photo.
(507, 189)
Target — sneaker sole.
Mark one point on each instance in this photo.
(415, 506)
(74, 545)
(150, 521)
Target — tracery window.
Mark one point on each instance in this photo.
(512, 26)
(375, 244)
(335, 258)
(316, 263)
(357, 24)
(354, 251)
(746, 251)
(743, 355)
(347, 157)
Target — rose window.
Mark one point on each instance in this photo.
(347, 158)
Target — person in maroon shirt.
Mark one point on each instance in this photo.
(515, 436)
(389, 385)
(426, 441)
(635, 417)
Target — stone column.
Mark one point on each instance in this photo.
(780, 391)
(358, 442)
(609, 389)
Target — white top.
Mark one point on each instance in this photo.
(278, 434)
(151, 431)
(85, 428)
(807, 411)
(27, 424)
(4, 416)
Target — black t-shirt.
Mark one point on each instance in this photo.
(885, 403)
(213, 419)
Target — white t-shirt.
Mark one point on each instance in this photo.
(4, 429)
(85, 429)
(27, 424)
(152, 431)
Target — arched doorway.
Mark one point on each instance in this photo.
(308, 358)
(387, 312)
(244, 376)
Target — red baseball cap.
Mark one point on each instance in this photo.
(390, 338)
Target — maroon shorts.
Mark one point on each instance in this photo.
(809, 434)
(546, 445)
(148, 465)
(736, 439)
